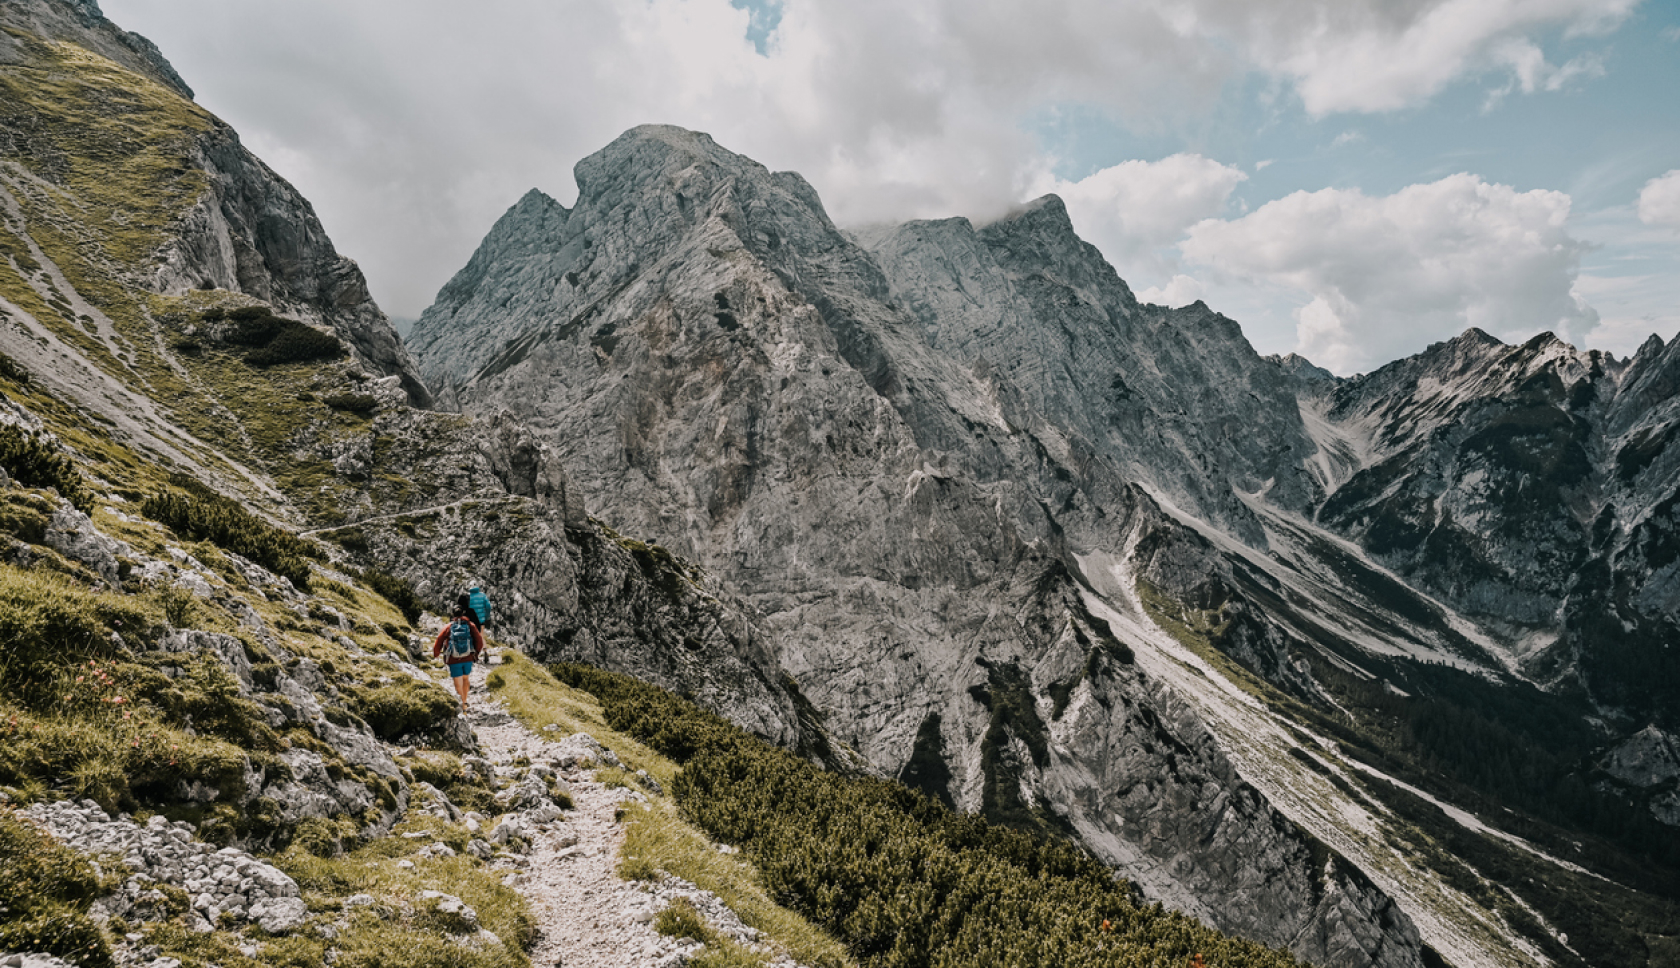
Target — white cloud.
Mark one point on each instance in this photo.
(1659, 201)
(1531, 72)
(1373, 56)
(1181, 290)
(1134, 210)
(413, 124)
(1385, 276)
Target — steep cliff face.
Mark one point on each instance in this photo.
(189, 210)
(443, 501)
(1176, 399)
(251, 232)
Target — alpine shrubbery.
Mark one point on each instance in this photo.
(396, 591)
(37, 461)
(897, 877)
(275, 339)
(200, 514)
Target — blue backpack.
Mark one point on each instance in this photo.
(460, 639)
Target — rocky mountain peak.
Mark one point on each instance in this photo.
(1298, 367)
(1040, 237)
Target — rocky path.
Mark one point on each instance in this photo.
(587, 916)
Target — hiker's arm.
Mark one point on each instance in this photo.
(437, 647)
(478, 639)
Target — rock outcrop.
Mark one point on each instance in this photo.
(251, 232)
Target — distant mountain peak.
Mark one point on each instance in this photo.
(1475, 336)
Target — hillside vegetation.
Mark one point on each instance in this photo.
(902, 880)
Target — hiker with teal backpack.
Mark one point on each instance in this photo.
(461, 643)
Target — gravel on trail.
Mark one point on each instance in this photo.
(588, 917)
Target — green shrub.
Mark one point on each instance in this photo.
(201, 514)
(637, 869)
(324, 838)
(180, 607)
(275, 339)
(296, 343)
(204, 694)
(24, 516)
(900, 879)
(438, 769)
(401, 707)
(353, 402)
(394, 590)
(252, 326)
(48, 623)
(10, 370)
(35, 460)
(46, 890)
(680, 919)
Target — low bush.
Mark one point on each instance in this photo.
(680, 919)
(322, 837)
(296, 343)
(352, 402)
(10, 370)
(393, 589)
(36, 460)
(274, 339)
(900, 879)
(401, 707)
(46, 890)
(199, 514)
(48, 623)
(24, 516)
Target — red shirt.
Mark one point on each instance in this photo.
(443, 639)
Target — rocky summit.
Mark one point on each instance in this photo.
(920, 559)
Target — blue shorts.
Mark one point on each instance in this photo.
(459, 669)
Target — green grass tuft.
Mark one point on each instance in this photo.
(46, 890)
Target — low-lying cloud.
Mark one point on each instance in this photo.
(1137, 210)
(1385, 276)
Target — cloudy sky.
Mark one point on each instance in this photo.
(1349, 179)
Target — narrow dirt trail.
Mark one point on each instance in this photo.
(588, 917)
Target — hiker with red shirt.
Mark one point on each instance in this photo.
(460, 643)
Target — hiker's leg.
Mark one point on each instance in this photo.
(461, 686)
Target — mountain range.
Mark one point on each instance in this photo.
(1374, 669)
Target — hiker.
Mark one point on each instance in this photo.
(460, 643)
(480, 604)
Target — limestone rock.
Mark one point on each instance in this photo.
(279, 915)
